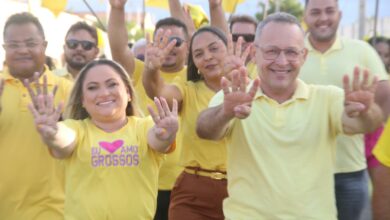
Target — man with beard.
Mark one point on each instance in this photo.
(79, 49)
(329, 58)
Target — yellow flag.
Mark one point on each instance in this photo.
(230, 5)
(157, 3)
(198, 15)
(56, 6)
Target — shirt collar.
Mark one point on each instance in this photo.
(301, 92)
(337, 44)
(50, 77)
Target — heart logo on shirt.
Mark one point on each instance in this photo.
(111, 147)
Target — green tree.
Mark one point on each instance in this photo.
(293, 7)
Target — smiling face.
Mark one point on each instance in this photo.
(208, 53)
(105, 96)
(322, 18)
(279, 75)
(78, 57)
(24, 50)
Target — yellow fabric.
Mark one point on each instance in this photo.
(382, 148)
(55, 6)
(197, 152)
(328, 69)
(157, 3)
(281, 158)
(31, 181)
(170, 168)
(198, 15)
(111, 175)
(252, 70)
(63, 72)
(230, 5)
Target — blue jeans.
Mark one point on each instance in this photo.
(352, 197)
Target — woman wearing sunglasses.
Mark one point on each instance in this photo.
(111, 155)
(200, 189)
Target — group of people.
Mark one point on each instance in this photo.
(235, 120)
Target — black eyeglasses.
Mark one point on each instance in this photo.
(86, 45)
(247, 37)
(179, 41)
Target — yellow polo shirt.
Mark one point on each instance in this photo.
(197, 152)
(281, 158)
(382, 148)
(328, 69)
(63, 72)
(111, 175)
(170, 168)
(31, 180)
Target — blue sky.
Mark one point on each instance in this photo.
(350, 8)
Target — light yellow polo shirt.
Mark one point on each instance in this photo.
(197, 152)
(328, 69)
(252, 70)
(382, 148)
(280, 158)
(31, 180)
(170, 168)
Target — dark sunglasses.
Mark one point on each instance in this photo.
(86, 45)
(179, 41)
(247, 37)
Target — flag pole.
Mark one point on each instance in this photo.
(95, 15)
(143, 16)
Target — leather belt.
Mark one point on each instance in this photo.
(213, 174)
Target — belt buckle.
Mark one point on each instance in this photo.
(217, 176)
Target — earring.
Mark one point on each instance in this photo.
(198, 72)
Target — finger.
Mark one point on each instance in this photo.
(356, 79)
(160, 109)
(353, 109)
(44, 85)
(365, 84)
(58, 111)
(374, 84)
(246, 52)
(243, 79)
(225, 86)
(242, 111)
(230, 45)
(152, 113)
(164, 39)
(49, 107)
(346, 86)
(169, 48)
(175, 107)
(37, 85)
(31, 92)
(41, 104)
(157, 37)
(165, 106)
(54, 92)
(238, 48)
(235, 81)
(253, 90)
(32, 109)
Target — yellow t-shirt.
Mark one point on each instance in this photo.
(252, 70)
(111, 175)
(170, 168)
(196, 151)
(31, 180)
(328, 69)
(382, 147)
(281, 158)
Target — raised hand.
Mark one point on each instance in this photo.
(119, 4)
(46, 115)
(360, 96)
(1, 92)
(236, 57)
(166, 122)
(157, 51)
(237, 102)
(215, 3)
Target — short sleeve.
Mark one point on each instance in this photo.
(138, 71)
(382, 148)
(336, 109)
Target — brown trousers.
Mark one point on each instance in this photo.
(197, 197)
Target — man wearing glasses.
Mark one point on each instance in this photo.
(31, 181)
(330, 57)
(80, 48)
(281, 131)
